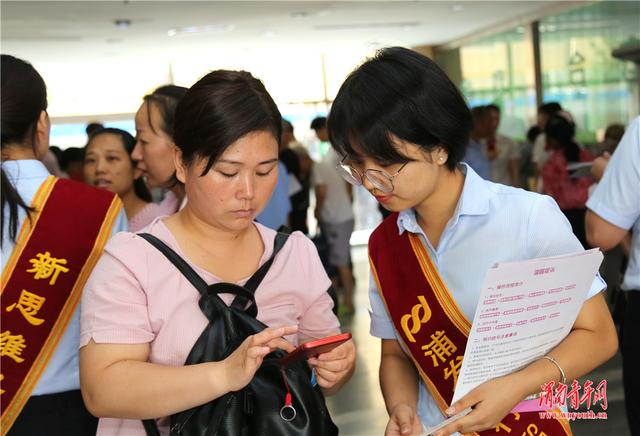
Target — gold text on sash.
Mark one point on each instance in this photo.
(44, 266)
(415, 318)
(441, 349)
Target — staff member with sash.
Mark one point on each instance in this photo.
(614, 211)
(402, 127)
(53, 232)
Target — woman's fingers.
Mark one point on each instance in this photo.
(282, 344)
(329, 376)
(404, 419)
(269, 334)
(257, 352)
(333, 365)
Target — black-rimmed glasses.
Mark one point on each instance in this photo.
(379, 179)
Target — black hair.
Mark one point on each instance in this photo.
(24, 97)
(493, 107)
(128, 143)
(479, 112)
(401, 93)
(71, 154)
(219, 109)
(550, 108)
(533, 133)
(93, 127)
(563, 131)
(614, 132)
(286, 125)
(165, 99)
(56, 151)
(318, 123)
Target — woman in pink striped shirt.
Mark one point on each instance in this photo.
(140, 316)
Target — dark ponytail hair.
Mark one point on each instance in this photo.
(24, 97)
(563, 131)
(165, 99)
(129, 143)
(219, 109)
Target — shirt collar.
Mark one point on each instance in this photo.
(24, 169)
(474, 200)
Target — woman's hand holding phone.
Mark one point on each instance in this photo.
(334, 368)
(243, 363)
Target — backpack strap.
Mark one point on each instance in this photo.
(254, 281)
(194, 278)
(178, 261)
(197, 281)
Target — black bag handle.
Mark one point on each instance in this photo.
(194, 278)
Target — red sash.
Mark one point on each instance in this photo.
(430, 323)
(43, 280)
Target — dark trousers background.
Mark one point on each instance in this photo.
(62, 414)
(631, 360)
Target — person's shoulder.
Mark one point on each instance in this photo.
(517, 199)
(507, 191)
(82, 188)
(389, 225)
(300, 242)
(152, 208)
(146, 216)
(123, 243)
(634, 126)
(126, 245)
(298, 245)
(630, 142)
(556, 157)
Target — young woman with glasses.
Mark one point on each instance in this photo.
(402, 127)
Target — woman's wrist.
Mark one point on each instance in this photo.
(403, 404)
(526, 382)
(217, 379)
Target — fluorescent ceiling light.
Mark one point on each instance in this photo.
(193, 30)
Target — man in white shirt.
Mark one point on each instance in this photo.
(503, 153)
(614, 210)
(335, 216)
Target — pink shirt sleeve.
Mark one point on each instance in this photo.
(114, 305)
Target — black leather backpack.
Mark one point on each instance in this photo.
(257, 409)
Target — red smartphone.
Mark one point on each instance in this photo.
(314, 348)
